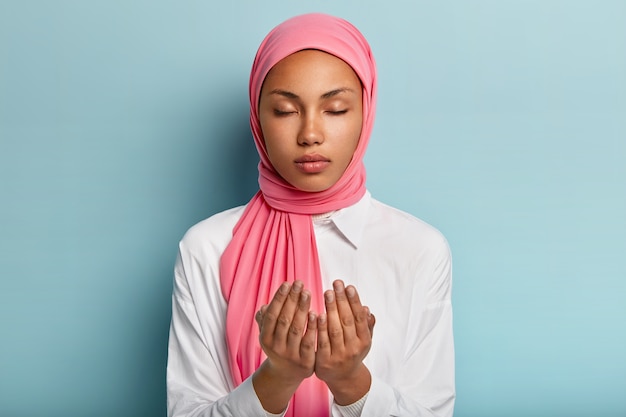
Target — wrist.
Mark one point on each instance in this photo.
(273, 388)
(349, 389)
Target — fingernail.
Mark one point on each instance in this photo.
(330, 296)
(297, 286)
(322, 318)
(338, 285)
(304, 296)
(284, 288)
(350, 291)
(312, 316)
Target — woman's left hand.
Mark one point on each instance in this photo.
(344, 337)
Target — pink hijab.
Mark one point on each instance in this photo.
(274, 240)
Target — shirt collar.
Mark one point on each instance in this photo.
(350, 221)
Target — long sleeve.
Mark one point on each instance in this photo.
(425, 384)
(402, 269)
(198, 383)
(427, 387)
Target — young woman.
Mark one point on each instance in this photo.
(267, 305)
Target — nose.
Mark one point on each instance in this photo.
(311, 132)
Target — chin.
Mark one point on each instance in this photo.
(312, 183)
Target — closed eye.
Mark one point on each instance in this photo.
(337, 112)
(278, 112)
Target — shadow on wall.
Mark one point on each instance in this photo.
(215, 169)
(227, 164)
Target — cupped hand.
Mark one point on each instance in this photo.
(287, 332)
(344, 338)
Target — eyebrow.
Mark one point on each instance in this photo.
(337, 91)
(324, 96)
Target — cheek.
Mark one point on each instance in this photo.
(275, 147)
(278, 129)
(355, 133)
(272, 135)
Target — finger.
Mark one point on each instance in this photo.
(371, 321)
(258, 317)
(286, 315)
(272, 311)
(307, 345)
(299, 321)
(323, 341)
(259, 314)
(359, 312)
(345, 298)
(335, 330)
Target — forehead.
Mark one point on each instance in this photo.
(311, 69)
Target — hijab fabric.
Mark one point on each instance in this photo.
(274, 240)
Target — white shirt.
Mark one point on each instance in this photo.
(401, 268)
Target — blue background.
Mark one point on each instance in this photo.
(502, 123)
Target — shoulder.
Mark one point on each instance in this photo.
(397, 225)
(403, 240)
(213, 233)
(415, 249)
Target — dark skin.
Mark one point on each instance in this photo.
(288, 334)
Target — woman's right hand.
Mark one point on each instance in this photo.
(287, 336)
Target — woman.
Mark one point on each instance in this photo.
(263, 322)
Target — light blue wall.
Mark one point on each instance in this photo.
(503, 123)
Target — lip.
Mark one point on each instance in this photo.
(312, 163)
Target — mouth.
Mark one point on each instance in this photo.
(312, 163)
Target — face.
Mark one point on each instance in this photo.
(311, 116)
